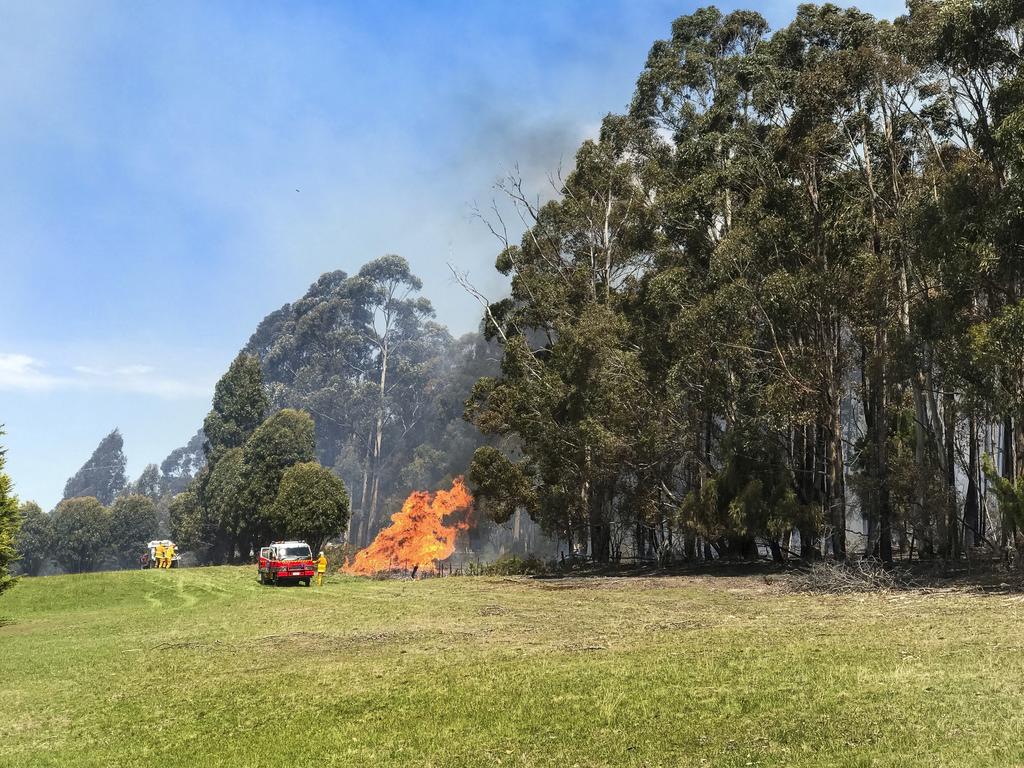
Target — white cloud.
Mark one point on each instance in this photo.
(25, 373)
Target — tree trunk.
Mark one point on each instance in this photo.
(921, 462)
(600, 533)
(378, 439)
(361, 511)
(837, 479)
(972, 507)
(881, 438)
(1009, 471)
(952, 543)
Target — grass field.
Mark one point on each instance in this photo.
(204, 667)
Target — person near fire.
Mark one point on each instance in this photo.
(168, 556)
(321, 568)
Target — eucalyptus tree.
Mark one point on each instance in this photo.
(182, 465)
(573, 391)
(392, 322)
(736, 285)
(103, 475)
(191, 525)
(969, 230)
(149, 483)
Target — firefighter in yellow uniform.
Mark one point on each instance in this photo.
(168, 556)
(321, 569)
(158, 556)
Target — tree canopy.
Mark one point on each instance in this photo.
(133, 523)
(34, 541)
(81, 533)
(312, 504)
(103, 475)
(777, 302)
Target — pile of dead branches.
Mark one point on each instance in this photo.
(867, 575)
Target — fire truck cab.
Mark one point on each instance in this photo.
(285, 561)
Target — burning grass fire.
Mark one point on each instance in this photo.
(418, 535)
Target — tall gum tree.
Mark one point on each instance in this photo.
(393, 320)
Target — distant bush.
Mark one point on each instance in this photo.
(510, 565)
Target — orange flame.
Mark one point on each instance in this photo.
(418, 535)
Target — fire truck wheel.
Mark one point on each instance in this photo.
(307, 582)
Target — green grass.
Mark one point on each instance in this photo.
(204, 667)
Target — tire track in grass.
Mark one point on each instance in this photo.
(187, 598)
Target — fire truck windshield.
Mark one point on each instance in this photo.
(295, 553)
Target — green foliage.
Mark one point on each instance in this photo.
(225, 500)
(384, 384)
(791, 244)
(1010, 494)
(10, 523)
(511, 565)
(191, 527)
(239, 405)
(786, 282)
(102, 476)
(34, 541)
(81, 532)
(286, 438)
(148, 483)
(753, 494)
(329, 354)
(182, 465)
(133, 523)
(312, 504)
(499, 485)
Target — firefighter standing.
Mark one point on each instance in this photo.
(168, 555)
(321, 569)
(158, 556)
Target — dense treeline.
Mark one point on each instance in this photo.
(384, 383)
(83, 534)
(354, 378)
(776, 307)
(778, 302)
(260, 481)
(257, 481)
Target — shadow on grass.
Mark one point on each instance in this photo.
(989, 577)
(724, 569)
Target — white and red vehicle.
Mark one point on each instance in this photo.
(286, 561)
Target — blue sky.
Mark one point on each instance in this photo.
(172, 172)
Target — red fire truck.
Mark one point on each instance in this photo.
(285, 561)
